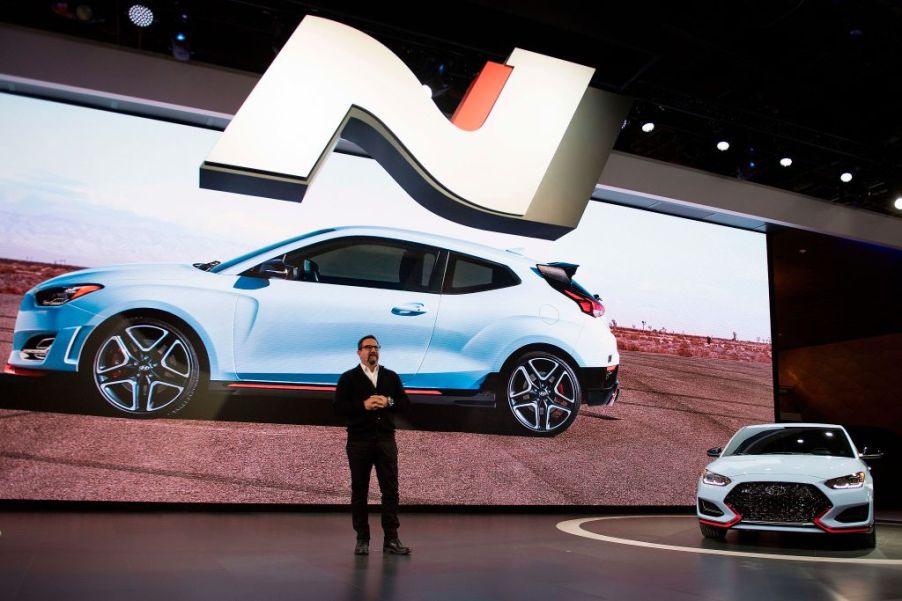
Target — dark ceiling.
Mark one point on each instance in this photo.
(818, 81)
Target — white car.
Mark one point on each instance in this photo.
(789, 478)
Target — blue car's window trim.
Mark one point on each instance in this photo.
(433, 287)
(250, 255)
(513, 279)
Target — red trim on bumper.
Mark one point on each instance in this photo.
(12, 370)
(736, 519)
(828, 529)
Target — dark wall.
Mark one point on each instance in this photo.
(837, 321)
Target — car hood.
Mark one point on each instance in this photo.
(815, 466)
(150, 272)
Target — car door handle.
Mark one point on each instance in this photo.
(410, 309)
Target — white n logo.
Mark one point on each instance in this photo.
(521, 155)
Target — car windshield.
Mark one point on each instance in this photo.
(790, 441)
(266, 249)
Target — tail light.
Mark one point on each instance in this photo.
(560, 277)
(589, 306)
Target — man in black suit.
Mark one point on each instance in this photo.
(369, 396)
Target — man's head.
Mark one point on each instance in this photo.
(368, 351)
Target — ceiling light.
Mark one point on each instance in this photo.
(786, 161)
(84, 12)
(898, 203)
(648, 127)
(140, 15)
(723, 146)
(846, 177)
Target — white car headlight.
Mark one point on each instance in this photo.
(851, 481)
(710, 477)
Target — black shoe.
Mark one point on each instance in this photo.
(362, 547)
(393, 546)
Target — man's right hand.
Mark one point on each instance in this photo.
(376, 401)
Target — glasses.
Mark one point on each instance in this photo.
(370, 347)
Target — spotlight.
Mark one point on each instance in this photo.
(84, 13)
(898, 203)
(648, 127)
(140, 15)
(723, 146)
(786, 161)
(435, 87)
(846, 177)
(181, 49)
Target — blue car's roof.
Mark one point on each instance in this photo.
(381, 232)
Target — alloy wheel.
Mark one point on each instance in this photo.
(543, 393)
(145, 368)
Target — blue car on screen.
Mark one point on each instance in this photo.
(462, 324)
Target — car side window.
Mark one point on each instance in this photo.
(467, 275)
(366, 262)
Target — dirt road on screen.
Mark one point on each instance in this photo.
(648, 449)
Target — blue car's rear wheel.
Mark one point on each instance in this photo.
(542, 394)
(144, 367)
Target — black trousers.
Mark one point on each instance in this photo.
(363, 455)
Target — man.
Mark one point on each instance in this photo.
(369, 396)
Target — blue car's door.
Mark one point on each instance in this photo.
(304, 327)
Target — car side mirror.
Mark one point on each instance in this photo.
(715, 452)
(869, 453)
(275, 268)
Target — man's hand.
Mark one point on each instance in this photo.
(377, 401)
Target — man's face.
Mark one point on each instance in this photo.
(369, 352)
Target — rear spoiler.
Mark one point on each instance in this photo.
(558, 274)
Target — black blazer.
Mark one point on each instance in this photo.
(354, 387)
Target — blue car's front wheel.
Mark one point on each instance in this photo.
(144, 367)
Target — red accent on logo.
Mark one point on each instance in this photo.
(481, 96)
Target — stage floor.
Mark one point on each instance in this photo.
(279, 555)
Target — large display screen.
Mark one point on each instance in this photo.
(499, 342)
